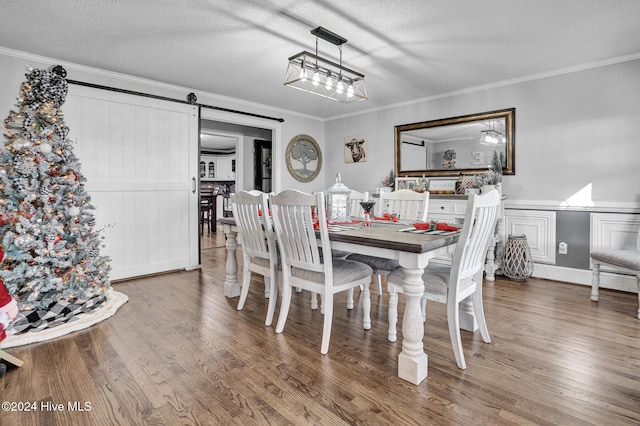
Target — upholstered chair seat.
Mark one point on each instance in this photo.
(621, 261)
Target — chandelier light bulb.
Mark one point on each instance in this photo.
(316, 78)
(303, 74)
(339, 87)
(350, 91)
(329, 83)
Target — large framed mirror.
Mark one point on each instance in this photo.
(451, 146)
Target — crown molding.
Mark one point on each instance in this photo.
(498, 84)
(152, 83)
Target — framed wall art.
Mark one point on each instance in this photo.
(355, 149)
(406, 183)
(304, 158)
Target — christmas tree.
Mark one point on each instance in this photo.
(52, 252)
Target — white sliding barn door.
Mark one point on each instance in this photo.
(140, 158)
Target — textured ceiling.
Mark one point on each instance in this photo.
(408, 49)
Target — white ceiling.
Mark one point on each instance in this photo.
(408, 49)
(218, 142)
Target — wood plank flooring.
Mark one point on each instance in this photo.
(179, 353)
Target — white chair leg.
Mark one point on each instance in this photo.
(244, 291)
(327, 300)
(595, 281)
(479, 313)
(392, 334)
(267, 287)
(284, 307)
(454, 334)
(466, 315)
(273, 297)
(314, 301)
(350, 298)
(322, 302)
(379, 280)
(366, 307)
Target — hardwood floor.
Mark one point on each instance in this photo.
(179, 353)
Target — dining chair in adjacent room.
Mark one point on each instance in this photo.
(410, 206)
(620, 261)
(453, 283)
(303, 265)
(259, 251)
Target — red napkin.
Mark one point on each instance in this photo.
(425, 226)
(387, 216)
(260, 212)
(445, 227)
(316, 225)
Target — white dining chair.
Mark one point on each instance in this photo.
(355, 211)
(409, 205)
(463, 278)
(259, 251)
(406, 203)
(620, 261)
(355, 198)
(303, 265)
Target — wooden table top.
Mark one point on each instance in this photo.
(388, 236)
(385, 235)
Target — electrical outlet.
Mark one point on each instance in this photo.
(563, 248)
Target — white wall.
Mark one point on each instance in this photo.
(13, 65)
(572, 130)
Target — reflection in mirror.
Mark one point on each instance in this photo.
(456, 145)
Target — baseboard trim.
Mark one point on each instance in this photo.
(580, 276)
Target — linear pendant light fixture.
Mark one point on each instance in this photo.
(491, 136)
(323, 77)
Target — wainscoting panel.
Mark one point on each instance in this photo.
(539, 228)
(614, 231)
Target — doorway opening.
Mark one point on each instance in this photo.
(262, 165)
(247, 132)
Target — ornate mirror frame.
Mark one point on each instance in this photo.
(303, 158)
(440, 139)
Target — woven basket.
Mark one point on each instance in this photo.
(517, 263)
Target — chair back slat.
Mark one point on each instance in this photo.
(255, 229)
(356, 208)
(292, 212)
(408, 204)
(477, 231)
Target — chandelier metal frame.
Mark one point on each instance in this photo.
(314, 74)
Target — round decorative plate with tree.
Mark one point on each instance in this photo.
(304, 158)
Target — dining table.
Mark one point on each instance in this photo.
(412, 248)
